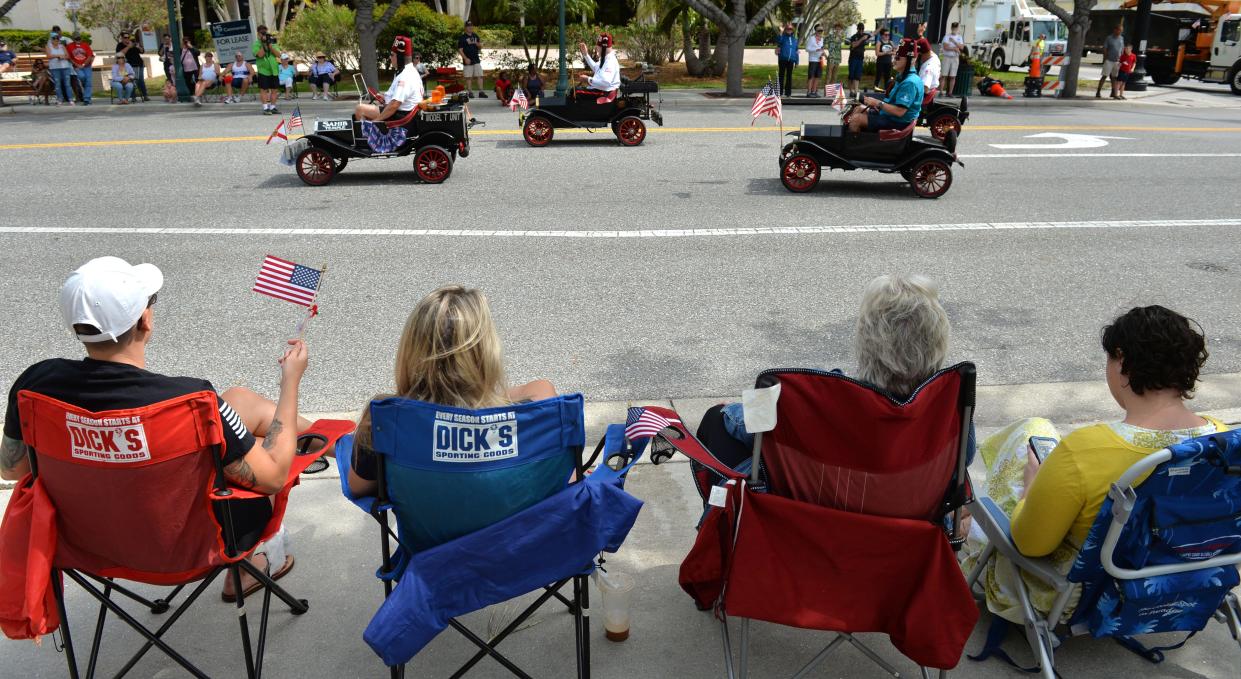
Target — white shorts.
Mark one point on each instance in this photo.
(472, 70)
(1110, 69)
(948, 65)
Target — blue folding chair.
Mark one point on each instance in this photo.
(489, 504)
(1161, 556)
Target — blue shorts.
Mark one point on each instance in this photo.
(855, 68)
(876, 122)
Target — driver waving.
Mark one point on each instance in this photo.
(902, 105)
(405, 93)
(605, 74)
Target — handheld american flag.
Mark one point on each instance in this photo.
(643, 423)
(296, 120)
(519, 99)
(288, 281)
(767, 101)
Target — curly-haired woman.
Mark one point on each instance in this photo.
(1153, 358)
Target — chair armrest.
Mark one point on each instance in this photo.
(328, 431)
(995, 523)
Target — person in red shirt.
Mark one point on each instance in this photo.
(1127, 61)
(83, 59)
(504, 88)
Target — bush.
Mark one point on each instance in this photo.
(646, 43)
(434, 35)
(495, 37)
(202, 39)
(31, 41)
(323, 27)
(981, 68)
(762, 35)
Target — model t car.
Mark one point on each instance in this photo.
(435, 134)
(943, 114)
(924, 162)
(623, 111)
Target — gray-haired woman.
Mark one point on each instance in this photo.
(900, 340)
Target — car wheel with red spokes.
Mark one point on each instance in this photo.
(315, 166)
(800, 173)
(944, 123)
(538, 131)
(630, 131)
(931, 178)
(432, 164)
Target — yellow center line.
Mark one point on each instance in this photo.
(604, 130)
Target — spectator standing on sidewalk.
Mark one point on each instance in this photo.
(1125, 67)
(322, 77)
(857, 56)
(133, 57)
(265, 52)
(814, 56)
(950, 59)
(470, 46)
(835, 38)
(83, 58)
(166, 56)
(786, 59)
(189, 65)
(1113, 46)
(885, 49)
(122, 79)
(60, 68)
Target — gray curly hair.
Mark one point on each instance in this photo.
(902, 333)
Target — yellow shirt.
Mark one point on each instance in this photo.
(1071, 485)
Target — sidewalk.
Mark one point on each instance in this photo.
(338, 550)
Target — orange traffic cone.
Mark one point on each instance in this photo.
(997, 90)
(1036, 67)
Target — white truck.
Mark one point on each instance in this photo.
(1000, 32)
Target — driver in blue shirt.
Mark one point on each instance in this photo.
(903, 103)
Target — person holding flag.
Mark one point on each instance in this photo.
(903, 103)
(402, 96)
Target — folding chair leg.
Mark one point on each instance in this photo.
(744, 669)
(94, 647)
(296, 606)
(926, 674)
(874, 657)
(512, 627)
(818, 658)
(983, 559)
(135, 625)
(159, 633)
(234, 570)
(728, 649)
(582, 614)
(488, 649)
(58, 590)
(1232, 616)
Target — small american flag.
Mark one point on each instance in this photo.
(288, 281)
(835, 92)
(644, 423)
(296, 120)
(767, 101)
(519, 99)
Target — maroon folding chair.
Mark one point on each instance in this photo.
(841, 524)
(135, 494)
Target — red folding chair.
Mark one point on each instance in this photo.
(135, 494)
(841, 524)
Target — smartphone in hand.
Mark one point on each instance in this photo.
(1042, 446)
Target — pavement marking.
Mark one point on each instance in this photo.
(601, 233)
(1099, 155)
(653, 130)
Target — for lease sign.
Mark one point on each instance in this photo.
(231, 37)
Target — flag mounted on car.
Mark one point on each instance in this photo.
(281, 132)
(767, 102)
(518, 99)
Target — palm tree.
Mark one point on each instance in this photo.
(4, 11)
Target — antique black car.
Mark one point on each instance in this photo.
(924, 162)
(623, 114)
(943, 114)
(434, 134)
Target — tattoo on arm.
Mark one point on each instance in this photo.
(273, 431)
(12, 452)
(240, 473)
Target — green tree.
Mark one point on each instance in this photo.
(371, 19)
(542, 21)
(1078, 22)
(434, 35)
(735, 25)
(323, 26)
(121, 16)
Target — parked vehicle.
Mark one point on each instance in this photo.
(1199, 39)
(1000, 32)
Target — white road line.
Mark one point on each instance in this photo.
(599, 233)
(1100, 155)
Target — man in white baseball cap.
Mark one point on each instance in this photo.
(107, 304)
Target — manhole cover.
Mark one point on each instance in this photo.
(1208, 267)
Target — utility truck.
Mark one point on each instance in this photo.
(1001, 32)
(1199, 39)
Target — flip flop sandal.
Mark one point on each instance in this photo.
(256, 585)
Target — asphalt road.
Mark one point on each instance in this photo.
(631, 313)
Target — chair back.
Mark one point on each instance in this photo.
(1161, 554)
(448, 472)
(131, 487)
(843, 444)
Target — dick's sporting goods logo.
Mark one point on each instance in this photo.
(461, 437)
(111, 439)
